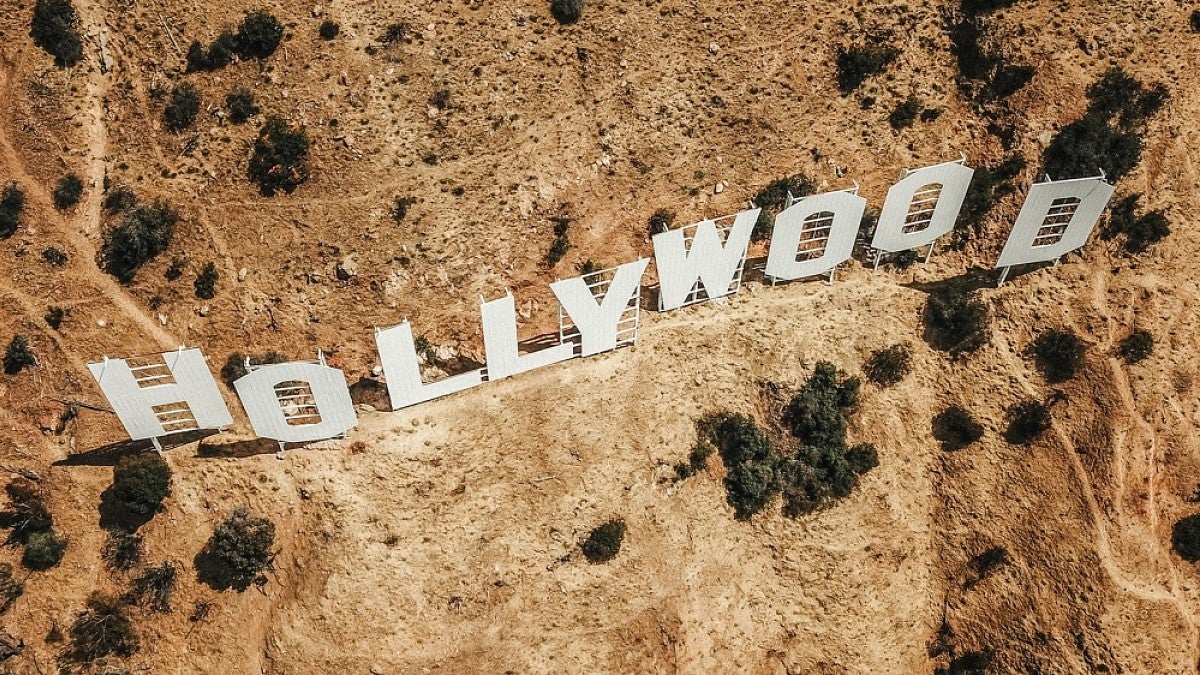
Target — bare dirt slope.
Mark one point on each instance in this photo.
(451, 543)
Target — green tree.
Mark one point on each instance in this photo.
(259, 35)
(141, 482)
(145, 232)
(280, 153)
(181, 111)
(44, 550)
(1185, 538)
(53, 28)
(888, 366)
(68, 191)
(604, 542)
(206, 282)
(566, 11)
(241, 546)
(19, 355)
(1058, 354)
(328, 30)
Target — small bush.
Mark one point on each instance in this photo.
(235, 364)
(1027, 420)
(119, 199)
(141, 483)
(122, 550)
(68, 191)
(54, 29)
(889, 365)
(240, 103)
(1137, 346)
(566, 11)
(773, 199)
(440, 99)
(206, 282)
(44, 550)
(183, 107)
(1058, 354)
(54, 317)
(604, 542)
(258, 35)
(955, 428)
(241, 547)
(956, 321)
(862, 458)
(400, 210)
(218, 55)
(175, 269)
(856, 64)
(561, 243)
(54, 257)
(1195, 21)
(12, 202)
(154, 587)
(145, 232)
(103, 629)
(279, 159)
(906, 113)
(661, 221)
(1185, 538)
(27, 513)
(19, 355)
(328, 30)
(10, 588)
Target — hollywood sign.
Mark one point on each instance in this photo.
(301, 401)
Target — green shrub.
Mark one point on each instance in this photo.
(604, 542)
(1195, 21)
(889, 365)
(235, 364)
(561, 243)
(856, 64)
(68, 191)
(182, 109)
(241, 546)
(1027, 420)
(258, 35)
(175, 269)
(862, 458)
(27, 513)
(12, 202)
(955, 428)
(44, 550)
(10, 588)
(400, 210)
(145, 232)
(566, 11)
(19, 355)
(1185, 538)
(119, 199)
(1137, 346)
(240, 103)
(103, 629)
(218, 55)
(749, 461)
(122, 550)
(956, 321)
(817, 414)
(54, 29)
(279, 159)
(905, 113)
(773, 199)
(197, 58)
(54, 317)
(328, 30)
(141, 482)
(1058, 354)
(697, 459)
(206, 282)
(661, 221)
(154, 587)
(54, 257)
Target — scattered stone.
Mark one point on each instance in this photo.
(203, 310)
(713, 48)
(346, 269)
(718, 188)
(242, 274)
(102, 323)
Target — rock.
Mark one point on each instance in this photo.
(445, 353)
(377, 371)
(346, 269)
(364, 408)
(1045, 137)
(202, 310)
(162, 319)
(718, 188)
(317, 10)
(102, 323)
(713, 48)
(242, 274)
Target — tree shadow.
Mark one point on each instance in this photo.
(109, 455)
(115, 516)
(211, 573)
(245, 447)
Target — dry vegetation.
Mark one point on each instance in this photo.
(273, 183)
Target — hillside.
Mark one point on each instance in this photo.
(446, 537)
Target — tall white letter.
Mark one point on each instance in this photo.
(922, 207)
(297, 401)
(708, 262)
(500, 342)
(155, 399)
(599, 322)
(814, 235)
(1057, 217)
(401, 367)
